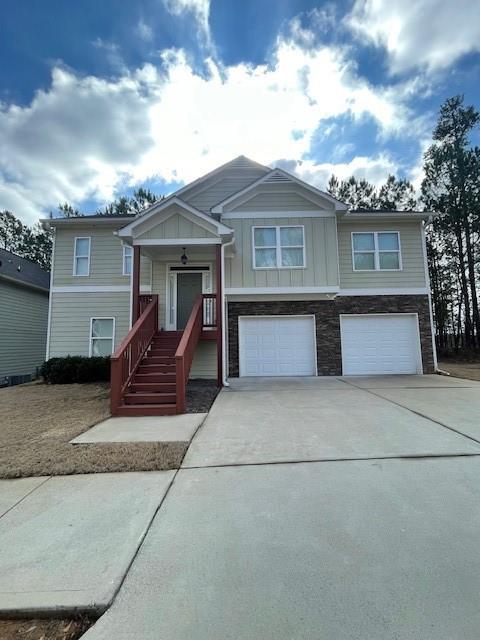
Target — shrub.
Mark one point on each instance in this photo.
(76, 369)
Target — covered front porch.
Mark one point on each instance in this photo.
(177, 309)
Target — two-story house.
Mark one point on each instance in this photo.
(247, 271)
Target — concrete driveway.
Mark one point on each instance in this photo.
(345, 549)
(261, 420)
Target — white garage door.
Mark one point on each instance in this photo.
(380, 344)
(277, 346)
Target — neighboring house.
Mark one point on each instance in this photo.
(293, 284)
(24, 288)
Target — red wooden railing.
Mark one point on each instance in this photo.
(209, 310)
(129, 353)
(144, 300)
(186, 350)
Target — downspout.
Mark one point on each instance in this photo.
(427, 282)
(224, 323)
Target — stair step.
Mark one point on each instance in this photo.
(146, 410)
(153, 387)
(161, 352)
(150, 398)
(148, 360)
(153, 377)
(156, 368)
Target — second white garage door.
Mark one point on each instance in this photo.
(277, 346)
(380, 344)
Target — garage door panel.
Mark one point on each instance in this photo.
(383, 344)
(282, 346)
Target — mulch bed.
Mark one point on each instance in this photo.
(44, 629)
(200, 395)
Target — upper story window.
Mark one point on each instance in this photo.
(279, 247)
(127, 260)
(376, 251)
(102, 331)
(81, 257)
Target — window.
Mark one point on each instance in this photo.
(102, 331)
(376, 251)
(278, 247)
(127, 260)
(81, 257)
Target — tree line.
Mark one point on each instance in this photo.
(451, 187)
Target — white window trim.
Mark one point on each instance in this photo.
(278, 247)
(124, 255)
(75, 256)
(90, 346)
(376, 251)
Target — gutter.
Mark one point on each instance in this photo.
(224, 323)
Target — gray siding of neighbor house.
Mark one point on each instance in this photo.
(70, 320)
(23, 329)
(413, 272)
(320, 250)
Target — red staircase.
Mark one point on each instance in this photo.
(150, 368)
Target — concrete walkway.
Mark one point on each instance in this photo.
(347, 549)
(67, 542)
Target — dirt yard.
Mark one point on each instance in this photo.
(37, 421)
(468, 370)
(43, 629)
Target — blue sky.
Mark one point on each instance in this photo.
(97, 98)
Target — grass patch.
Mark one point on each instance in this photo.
(461, 369)
(37, 421)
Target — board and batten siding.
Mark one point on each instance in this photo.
(320, 255)
(70, 320)
(413, 271)
(23, 329)
(176, 226)
(106, 258)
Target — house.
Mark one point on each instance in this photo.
(24, 288)
(247, 271)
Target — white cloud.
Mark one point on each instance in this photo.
(90, 137)
(199, 9)
(144, 31)
(375, 170)
(421, 33)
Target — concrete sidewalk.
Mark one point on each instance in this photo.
(68, 541)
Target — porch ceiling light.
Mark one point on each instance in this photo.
(184, 258)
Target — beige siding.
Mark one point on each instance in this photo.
(276, 197)
(177, 226)
(106, 255)
(221, 186)
(70, 320)
(23, 329)
(320, 249)
(412, 274)
(204, 363)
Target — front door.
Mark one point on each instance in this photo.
(189, 286)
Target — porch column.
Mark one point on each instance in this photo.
(219, 312)
(135, 284)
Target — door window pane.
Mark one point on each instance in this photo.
(265, 237)
(265, 257)
(364, 261)
(291, 236)
(389, 260)
(292, 257)
(363, 242)
(388, 241)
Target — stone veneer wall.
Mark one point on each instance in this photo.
(327, 321)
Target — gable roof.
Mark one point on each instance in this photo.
(23, 271)
(280, 176)
(159, 207)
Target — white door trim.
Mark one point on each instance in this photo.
(241, 364)
(383, 315)
(171, 288)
